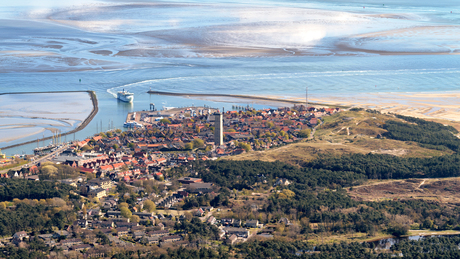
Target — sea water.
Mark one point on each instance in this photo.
(268, 48)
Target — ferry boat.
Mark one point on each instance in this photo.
(125, 96)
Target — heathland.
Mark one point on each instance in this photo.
(318, 187)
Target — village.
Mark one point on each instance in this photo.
(129, 194)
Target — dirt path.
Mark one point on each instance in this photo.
(377, 183)
(340, 130)
(422, 183)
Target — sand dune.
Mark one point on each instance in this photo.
(422, 105)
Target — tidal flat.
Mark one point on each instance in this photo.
(29, 116)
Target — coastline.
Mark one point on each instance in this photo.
(434, 105)
(82, 125)
(263, 99)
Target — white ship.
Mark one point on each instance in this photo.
(125, 96)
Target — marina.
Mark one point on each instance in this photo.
(140, 119)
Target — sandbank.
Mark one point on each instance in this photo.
(19, 133)
(59, 115)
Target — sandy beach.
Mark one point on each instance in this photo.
(422, 105)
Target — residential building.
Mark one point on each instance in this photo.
(240, 232)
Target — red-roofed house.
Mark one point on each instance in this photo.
(313, 121)
(34, 170)
(118, 165)
(161, 160)
(106, 168)
(97, 138)
(86, 170)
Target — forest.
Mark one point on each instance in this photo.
(244, 174)
(319, 197)
(25, 189)
(425, 248)
(38, 218)
(33, 206)
(429, 134)
(195, 228)
(382, 166)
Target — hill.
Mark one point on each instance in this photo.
(350, 132)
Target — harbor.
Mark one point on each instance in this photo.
(140, 119)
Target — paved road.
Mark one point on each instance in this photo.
(39, 160)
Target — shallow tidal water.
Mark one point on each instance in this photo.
(267, 48)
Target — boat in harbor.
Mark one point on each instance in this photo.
(125, 96)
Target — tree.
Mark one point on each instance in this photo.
(149, 206)
(125, 212)
(85, 148)
(288, 122)
(115, 146)
(427, 223)
(122, 188)
(198, 143)
(49, 170)
(269, 124)
(165, 121)
(289, 194)
(189, 146)
(398, 230)
(123, 205)
(305, 133)
(135, 218)
(245, 146)
(103, 239)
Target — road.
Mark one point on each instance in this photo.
(39, 160)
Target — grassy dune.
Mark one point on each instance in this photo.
(344, 133)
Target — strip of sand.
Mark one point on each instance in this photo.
(435, 105)
(19, 133)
